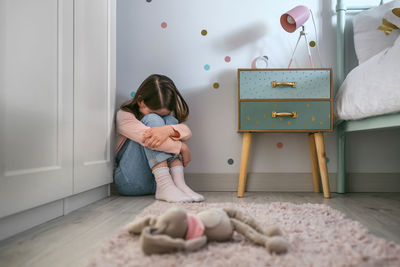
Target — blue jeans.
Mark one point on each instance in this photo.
(133, 163)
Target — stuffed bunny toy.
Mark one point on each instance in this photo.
(178, 230)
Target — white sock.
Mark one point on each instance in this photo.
(179, 180)
(166, 189)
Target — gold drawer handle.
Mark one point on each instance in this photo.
(275, 84)
(284, 114)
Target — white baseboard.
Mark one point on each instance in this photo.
(85, 198)
(292, 182)
(25, 220)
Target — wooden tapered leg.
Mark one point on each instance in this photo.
(319, 143)
(314, 162)
(244, 163)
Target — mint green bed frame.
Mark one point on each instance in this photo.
(344, 127)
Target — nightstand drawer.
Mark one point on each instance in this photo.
(284, 83)
(289, 116)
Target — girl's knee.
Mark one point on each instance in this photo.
(170, 120)
(153, 120)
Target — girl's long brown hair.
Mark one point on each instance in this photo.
(158, 91)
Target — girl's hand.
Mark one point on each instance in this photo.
(155, 136)
(185, 154)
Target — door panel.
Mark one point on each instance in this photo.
(36, 103)
(94, 89)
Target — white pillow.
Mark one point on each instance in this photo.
(393, 16)
(372, 88)
(368, 41)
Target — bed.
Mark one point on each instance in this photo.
(381, 122)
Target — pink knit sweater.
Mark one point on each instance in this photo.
(130, 127)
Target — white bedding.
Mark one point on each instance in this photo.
(368, 41)
(372, 88)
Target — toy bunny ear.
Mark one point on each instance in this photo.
(159, 243)
(137, 225)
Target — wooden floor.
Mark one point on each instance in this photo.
(69, 240)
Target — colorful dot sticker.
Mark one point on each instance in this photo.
(204, 32)
(133, 93)
(206, 67)
(227, 59)
(279, 145)
(216, 85)
(230, 161)
(312, 43)
(163, 25)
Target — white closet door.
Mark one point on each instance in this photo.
(36, 48)
(94, 90)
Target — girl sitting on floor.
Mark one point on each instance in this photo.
(150, 150)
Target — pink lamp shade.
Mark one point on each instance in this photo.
(295, 18)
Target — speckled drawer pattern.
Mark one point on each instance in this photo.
(310, 83)
(311, 115)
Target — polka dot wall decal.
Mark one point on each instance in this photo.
(216, 85)
(206, 67)
(227, 59)
(327, 160)
(133, 93)
(312, 43)
(204, 32)
(230, 161)
(163, 25)
(279, 145)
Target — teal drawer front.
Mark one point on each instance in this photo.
(257, 84)
(312, 115)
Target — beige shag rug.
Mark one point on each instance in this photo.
(318, 236)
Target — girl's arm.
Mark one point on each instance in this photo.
(129, 126)
(155, 136)
(182, 132)
(186, 156)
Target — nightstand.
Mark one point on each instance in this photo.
(286, 100)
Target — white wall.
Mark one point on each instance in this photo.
(241, 30)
